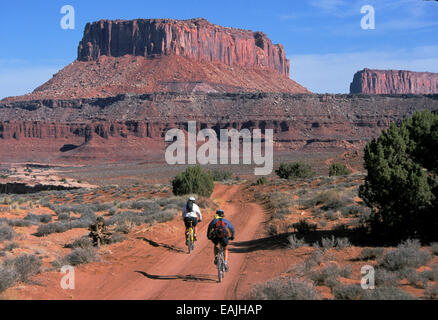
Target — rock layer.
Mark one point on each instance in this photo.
(132, 127)
(197, 39)
(369, 81)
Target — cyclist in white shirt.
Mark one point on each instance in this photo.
(191, 213)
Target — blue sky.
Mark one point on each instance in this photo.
(323, 39)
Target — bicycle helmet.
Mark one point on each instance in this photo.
(220, 213)
(192, 199)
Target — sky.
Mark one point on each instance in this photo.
(323, 39)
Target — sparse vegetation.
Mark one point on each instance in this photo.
(221, 175)
(290, 289)
(295, 170)
(6, 233)
(338, 169)
(407, 255)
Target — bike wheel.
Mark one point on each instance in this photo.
(220, 267)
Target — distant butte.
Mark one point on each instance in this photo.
(165, 55)
(369, 81)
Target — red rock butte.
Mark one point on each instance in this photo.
(369, 81)
(165, 55)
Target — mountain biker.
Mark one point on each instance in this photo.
(191, 213)
(220, 230)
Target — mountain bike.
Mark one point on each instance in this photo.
(190, 238)
(221, 263)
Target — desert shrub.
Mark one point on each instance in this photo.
(407, 255)
(386, 293)
(315, 259)
(78, 256)
(194, 180)
(295, 243)
(164, 216)
(202, 202)
(331, 215)
(25, 266)
(117, 237)
(19, 223)
(411, 275)
(88, 215)
(347, 292)
(272, 229)
(434, 248)
(221, 175)
(64, 217)
(55, 227)
(82, 242)
(401, 183)
(351, 210)
(431, 275)
(11, 246)
(278, 200)
(112, 211)
(322, 222)
(385, 278)
(290, 289)
(7, 278)
(371, 253)
(328, 243)
(261, 181)
(342, 243)
(43, 218)
(304, 227)
(294, 170)
(146, 205)
(329, 275)
(6, 233)
(338, 169)
(431, 292)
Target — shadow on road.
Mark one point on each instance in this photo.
(188, 277)
(268, 243)
(163, 245)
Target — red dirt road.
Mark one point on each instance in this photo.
(151, 267)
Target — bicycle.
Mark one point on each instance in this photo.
(221, 263)
(190, 238)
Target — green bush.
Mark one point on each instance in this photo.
(402, 184)
(294, 170)
(261, 181)
(221, 175)
(338, 169)
(194, 180)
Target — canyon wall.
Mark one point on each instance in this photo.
(132, 127)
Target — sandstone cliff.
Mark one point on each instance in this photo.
(394, 82)
(197, 39)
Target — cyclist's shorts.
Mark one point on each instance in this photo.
(223, 241)
(187, 221)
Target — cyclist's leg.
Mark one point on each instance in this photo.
(215, 250)
(225, 245)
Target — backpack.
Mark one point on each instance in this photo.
(220, 229)
(189, 206)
